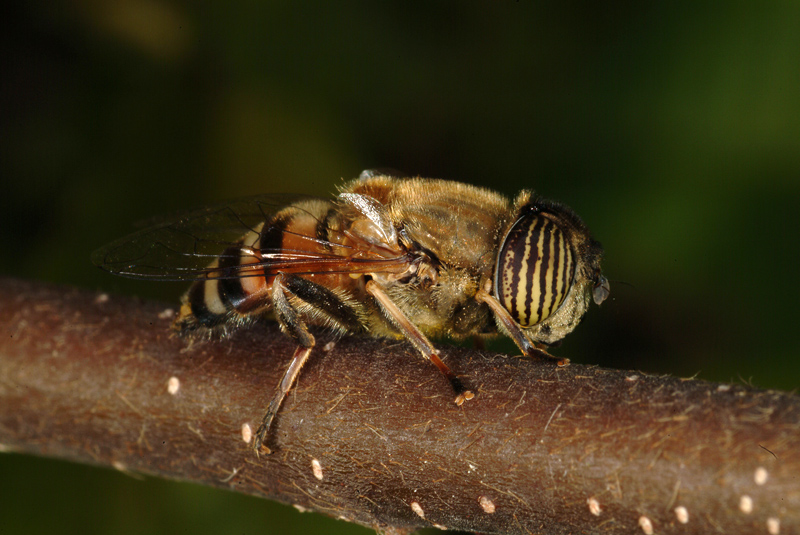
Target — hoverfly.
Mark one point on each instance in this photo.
(391, 257)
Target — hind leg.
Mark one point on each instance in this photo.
(324, 301)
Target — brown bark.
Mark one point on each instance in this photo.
(371, 434)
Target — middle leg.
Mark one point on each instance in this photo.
(418, 339)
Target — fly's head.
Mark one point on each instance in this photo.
(548, 270)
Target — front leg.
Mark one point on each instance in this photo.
(512, 329)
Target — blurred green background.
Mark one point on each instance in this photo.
(674, 130)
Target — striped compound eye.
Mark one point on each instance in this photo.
(535, 269)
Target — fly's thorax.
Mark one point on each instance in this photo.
(441, 305)
(455, 297)
(458, 223)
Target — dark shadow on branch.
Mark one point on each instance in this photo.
(371, 434)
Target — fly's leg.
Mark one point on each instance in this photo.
(298, 359)
(516, 333)
(323, 300)
(293, 325)
(417, 339)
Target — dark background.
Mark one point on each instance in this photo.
(673, 130)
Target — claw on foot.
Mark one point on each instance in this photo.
(541, 354)
(464, 396)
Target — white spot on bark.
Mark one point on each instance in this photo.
(761, 475)
(300, 508)
(173, 385)
(773, 525)
(746, 504)
(682, 513)
(486, 504)
(632, 378)
(101, 298)
(122, 467)
(417, 508)
(316, 468)
(329, 346)
(166, 314)
(247, 433)
(723, 388)
(594, 506)
(646, 525)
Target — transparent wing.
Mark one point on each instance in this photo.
(183, 247)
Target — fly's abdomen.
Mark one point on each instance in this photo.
(238, 283)
(234, 290)
(535, 269)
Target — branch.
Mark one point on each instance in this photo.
(371, 434)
